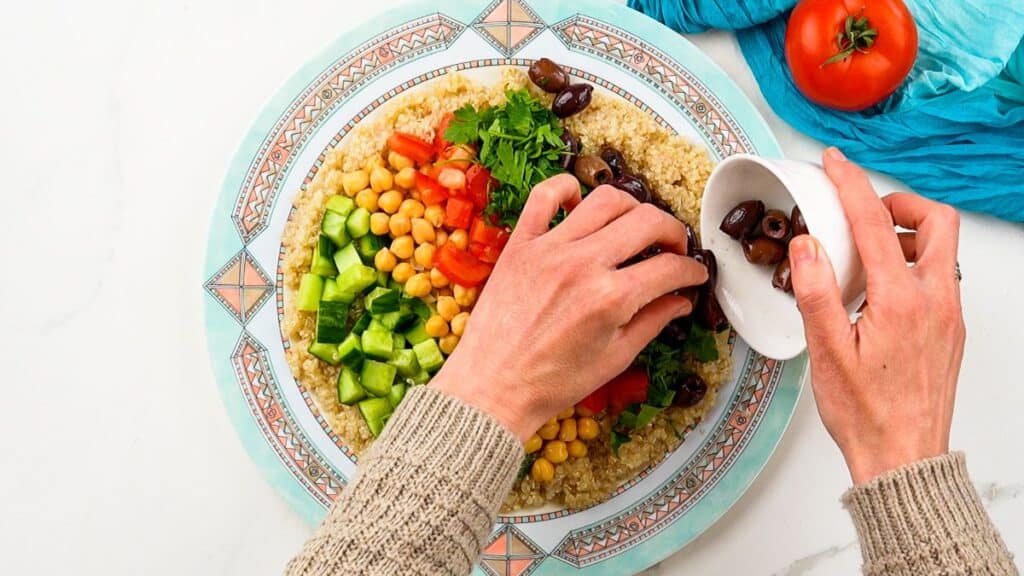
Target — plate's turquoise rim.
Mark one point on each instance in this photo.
(223, 331)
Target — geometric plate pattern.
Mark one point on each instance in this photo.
(508, 25)
(510, 553)
(240, 286)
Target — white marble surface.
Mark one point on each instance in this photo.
(118, 120)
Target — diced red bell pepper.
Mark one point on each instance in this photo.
(431, 192)
(410, 146)
(459, 213)
(439, 140)
(627, 388)
(482, 233)
(460, 267)
(597, 401)
(485, 252)
(479, 183)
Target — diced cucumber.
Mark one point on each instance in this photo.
(418, 333)
(407, 319)
(383, 278)
(395, 320)
(322, 264)
(326, 352)
(350, 351)
(377, 377)
(419, 308)
(368, 246)
(362, 324)
(340, 204)
(420, 377)
(377, 344)
(382, 300)
(356, 279)
(333, 226)
(396, 395)
(399, 340)
(405, 361)
(330, 322)
(429, 355)
(376, 326)
(311, 287)
(346, 258)
(349, 389)
(376, 412)
(358, 223)
(333, 294)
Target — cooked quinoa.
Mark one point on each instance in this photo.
(677, 172)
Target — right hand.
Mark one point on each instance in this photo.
(885, 386)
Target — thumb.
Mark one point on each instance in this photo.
(826, 323)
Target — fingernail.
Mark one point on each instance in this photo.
(802, 250)
(835, 153)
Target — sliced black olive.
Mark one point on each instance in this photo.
(742, 219)
(548, 76)
(796, 220)
(615, 160)
(762, 250)
(775, 225)
(572, 99)
(691, 391)
(632, 185)
(782, 278)
(592, 171)
(692, 242)
(572, 143)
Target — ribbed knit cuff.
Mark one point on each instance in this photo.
(926, 518)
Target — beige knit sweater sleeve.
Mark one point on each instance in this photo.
(926, 519)
(424, 498)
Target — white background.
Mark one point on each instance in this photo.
(118, 121)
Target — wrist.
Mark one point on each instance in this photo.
(867, 464)
(510, 413)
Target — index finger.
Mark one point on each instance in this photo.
(872, 226)
(545, 199)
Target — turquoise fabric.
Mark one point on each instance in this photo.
(954, 131)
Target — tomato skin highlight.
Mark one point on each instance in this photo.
(431, 192)
(862, 79)
(627, 388)
(461, 267)
(410, 146)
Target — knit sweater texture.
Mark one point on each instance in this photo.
(427, 493)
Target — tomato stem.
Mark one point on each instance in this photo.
(857, 36)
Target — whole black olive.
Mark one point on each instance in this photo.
(691, 391)
(649, 252)
(707, 258)
(763, 250)
(675, 332)
(548, 76)
(797, 223)
(572, 144)
(632, 185)
(708, 313)
(692, 242)
(615, 161)
(592, 171)
(691, 293)
(775, 225)
(742, 219)
(572, 99)
(782, 278)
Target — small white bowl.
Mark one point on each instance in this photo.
(767, 318)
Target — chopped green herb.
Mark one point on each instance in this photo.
(700, 344)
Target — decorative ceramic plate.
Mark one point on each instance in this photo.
(606, 44)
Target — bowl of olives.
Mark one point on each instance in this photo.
(752, 207)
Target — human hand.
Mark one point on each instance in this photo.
(885, 386)
(558, 318)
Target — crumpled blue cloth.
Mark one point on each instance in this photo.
(954, 131)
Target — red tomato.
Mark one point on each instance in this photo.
(460, 266)
(430, 191)
(597, 401)
(480, 183)
(411, 147)
(458, 213)
(850, 54)
(439, 142)
(485, 252)
(627, 388)
(482, 233)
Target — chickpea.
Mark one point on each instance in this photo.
(447, 308)
(549, 430)
(465, 297)
(379, 223)
(422, 231)
(384, 260)
(406, 178)
(424, 255)
(354, 181)
(367, 200)
(459, 238)
(381, 179)
(458, 323)
(587, 428)
(402, 272)
(398, 161)
(436, 327)
(373, 162)
(459, 157)
(542, 471)
(441, 237)
(446, 291)
(399, 225)
(437, 278)
(434, 215)
(418, 286)
(452, 178)
(402, 246)
(582, 410)
(533, 444)
(567, 431)
(412, 208)
(567, 413)
(556, 451)
(577, 449)
(448, 343)
(390, 201)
